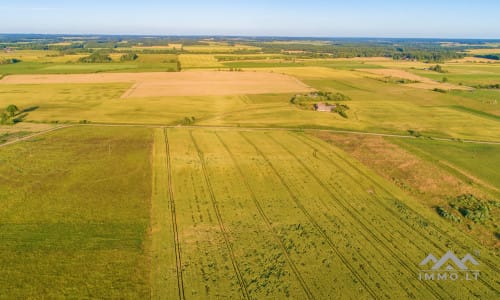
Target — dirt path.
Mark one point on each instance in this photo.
(34, 135)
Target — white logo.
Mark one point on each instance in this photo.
(449, 267)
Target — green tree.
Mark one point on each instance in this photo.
(12, 110)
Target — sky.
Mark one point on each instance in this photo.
(300, 18)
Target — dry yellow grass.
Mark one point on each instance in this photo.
(158, 47)
(216, 83)
(470, 59)
(206, 83)
(484, 51)
(199, 61)
(26, 127)
(423, 82)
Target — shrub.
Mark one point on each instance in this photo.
(437, 68)
(445, 214)
(129, 57)
(9, 61)
(439, 90)
(472, 208)
(414, 133)
(96, 58)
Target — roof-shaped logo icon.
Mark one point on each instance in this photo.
(449, 262)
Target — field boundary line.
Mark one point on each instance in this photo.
(178, 252)
(223, 229)
(312, 221)
(239, 128)
(268, 222)
(256, 129)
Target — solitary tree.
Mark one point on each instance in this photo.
(12, 110)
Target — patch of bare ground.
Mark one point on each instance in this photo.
(428, 183)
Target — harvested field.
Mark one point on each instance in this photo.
(423, 83)
(179, 84)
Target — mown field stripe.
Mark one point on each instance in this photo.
(178, 253)
(267, 221)
(360, 221)
(320, 230)
(222, 227)
(394, 213)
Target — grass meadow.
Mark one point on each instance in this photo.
(72, 225)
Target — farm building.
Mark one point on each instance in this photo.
(324, 107)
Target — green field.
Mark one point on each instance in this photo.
(49, 62)
(477, 160)
(106, 193)
(326, 230)
(71, 223)
(375, 106)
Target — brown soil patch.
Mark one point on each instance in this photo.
(207, 83)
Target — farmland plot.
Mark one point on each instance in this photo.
(71, 222)
(273, 215)
(234, 214)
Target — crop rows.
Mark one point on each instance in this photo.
(285, 215)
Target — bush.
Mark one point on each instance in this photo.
(437, 68)
(9, 61)
(414, 133)
(129, 57)
(439, 90)
(472, 208)
(188, 121)
(96, 58)
(445, 214)
(12, 115)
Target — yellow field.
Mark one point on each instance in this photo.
(28, 55)
(160, 47)
(179, 84)
(484, 51)
(423, 82)
(471, 59)
(218, 48)
(199, 61)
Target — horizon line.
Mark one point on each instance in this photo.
(251, 36)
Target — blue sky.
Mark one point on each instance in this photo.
(347, 18)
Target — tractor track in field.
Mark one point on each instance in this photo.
(25, 138)
(361, 232)
(396, 215)
(222, 227)
(357, 220)
(313, 221)
(178, 250)
(268, 222)
(389, 208)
